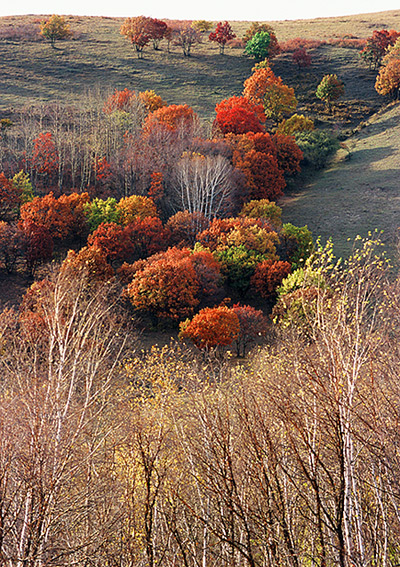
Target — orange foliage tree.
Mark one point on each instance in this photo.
(134, 207)
(165, 285)
(288, 153)
(173, 116)
(121, 100)
(211, 327)
(137, 31)
(63, 217)
(113, 240)
(263, 87)
(388, 79)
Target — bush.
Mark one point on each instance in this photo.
(316, 146)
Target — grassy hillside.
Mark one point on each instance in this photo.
(99, 57)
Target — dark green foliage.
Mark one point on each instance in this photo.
(316, 146)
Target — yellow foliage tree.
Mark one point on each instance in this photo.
(54, 29)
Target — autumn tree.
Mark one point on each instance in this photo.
(329, 90)
(185, 36)
(388, 80)
(268, 276)
(147, 236)
(256, 27)
(221, 35)
(10, 198)
(288, 153)
(39, 245)
(54, 29)
(45, 158)
(296, 123)
(125, 100)
(151, 100)
(377, 46)
(137, 31)
(263, 87)
(263, 209)
(301, 58)
(135, 206)
(173, 117)
(165, 285)
(239, 115)
(184, 227)
(252, 326)
(202, 25)
(211, 327)
(156, 30)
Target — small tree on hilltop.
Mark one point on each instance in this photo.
(222, 34)
(56, 28)
(330, 89)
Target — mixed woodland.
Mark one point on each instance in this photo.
(265, 433)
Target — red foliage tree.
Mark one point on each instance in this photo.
(137, 31)
(113, 240)
(211, 327)
(120, 100)
(12, 245)
(377, 46)
(45, 159)
(252, 325)
(62, 217)
(221, 35)
(239, 115)
(208, 272)
(10, 198)
(39, 245)
(288, 153)
(165, 285)
(185, 226)
(156, 30)
(268, 276)
(147, 236)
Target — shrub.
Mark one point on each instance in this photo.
(316, 146)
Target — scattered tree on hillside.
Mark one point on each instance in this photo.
(302, 58)
(54, 29)
(186, 37)
(377, 46)
(221, 35)
(330, 89)
(202, 25)
(137, 31)
(259, 45)
(388, 80)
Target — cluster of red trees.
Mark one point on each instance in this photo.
(181, 221)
